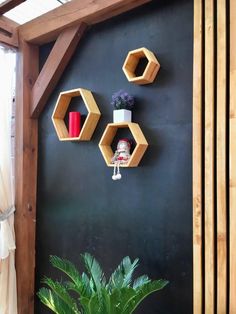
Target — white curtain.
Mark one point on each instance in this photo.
(8, 296)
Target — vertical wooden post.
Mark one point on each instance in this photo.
(232, 157)
(197, 158)
(221, 160)
(26, 177)
(209, 157)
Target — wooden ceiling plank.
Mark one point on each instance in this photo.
(47, 27)
(9, 4)
(54, 66)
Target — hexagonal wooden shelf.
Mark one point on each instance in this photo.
(132, 61)
(60, 110)
(107, 139)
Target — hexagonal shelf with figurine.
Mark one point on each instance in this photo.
(131, 63)
(61, 108)
(108, 137)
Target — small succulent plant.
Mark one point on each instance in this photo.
(122, 100)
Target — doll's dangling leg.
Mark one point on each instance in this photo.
(118, 176)
(114, 172)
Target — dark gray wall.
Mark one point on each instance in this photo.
(148, 214)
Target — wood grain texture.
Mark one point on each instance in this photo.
(9, 4)
(209, 158)
(47, 27)
(232, 158)
(26, 177)
(221, 160)
(54, 67)
(8, 31)
(107, 139)
(132, 61)
(197, 159)
(61, 108)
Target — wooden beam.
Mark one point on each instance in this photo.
(8, 5)
(232, 170)
(197, 158)
(221, 160)
(26, 177)
(47, 27)
(53, 68)
(8, 32)
(209, 158)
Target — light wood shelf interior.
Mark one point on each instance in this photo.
(61, 108)
(108, 137)
(131, 62)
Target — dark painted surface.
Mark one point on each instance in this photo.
(148, 214)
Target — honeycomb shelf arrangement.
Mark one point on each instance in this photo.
(61, 108)
(108, 137)
(131, 62)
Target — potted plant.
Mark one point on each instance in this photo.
(118, 295)
(123, 103)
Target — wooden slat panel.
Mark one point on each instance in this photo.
(53, 68)
(209, 157)
(26, 177)
(8, 5)
(197, 159)
(47, 27)
(221, 160)
(232, 174)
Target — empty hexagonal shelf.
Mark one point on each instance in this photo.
(60, 110)
(131, 63)
(107, 139)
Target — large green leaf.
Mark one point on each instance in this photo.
(99, 303)
(105, 302)
(54, 303)
(94, 305)
(84, 290)
(119, 297)
(122, 276)
(84, 303)
(68, 268)
(62, 293)
(94, 271)
(140, 281)
(142, 293)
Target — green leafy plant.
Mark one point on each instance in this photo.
(94, 295)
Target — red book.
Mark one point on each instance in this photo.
(74, 124)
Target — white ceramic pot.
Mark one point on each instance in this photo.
(122, 115)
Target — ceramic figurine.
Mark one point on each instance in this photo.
(121, 157)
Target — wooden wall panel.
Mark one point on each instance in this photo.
(221, 159)
(197, 157)
(209, 156)
(232, 174)
(213, 127)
